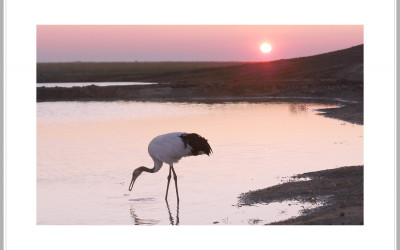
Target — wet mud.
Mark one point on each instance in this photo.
(341, 190)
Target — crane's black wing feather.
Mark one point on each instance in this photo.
(197, 143)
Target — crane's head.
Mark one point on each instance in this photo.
(135, 175)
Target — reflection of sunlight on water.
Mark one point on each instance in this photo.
(75, 111)
(90, 111)
(86, 153)
(83, 84)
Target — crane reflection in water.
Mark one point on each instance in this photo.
(139, 221)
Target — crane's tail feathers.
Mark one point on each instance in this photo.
(197, 143)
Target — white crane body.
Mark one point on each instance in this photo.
(170, 148)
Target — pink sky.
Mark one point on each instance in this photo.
(66, 43)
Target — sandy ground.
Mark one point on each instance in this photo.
(340, 189)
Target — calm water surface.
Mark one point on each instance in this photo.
(86, 152)
(83, 84)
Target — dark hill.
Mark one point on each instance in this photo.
(337, 74)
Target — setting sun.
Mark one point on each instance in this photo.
(265, 48)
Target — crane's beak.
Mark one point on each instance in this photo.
(132, 181)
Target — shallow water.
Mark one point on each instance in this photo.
(83, 84)
(86, 152)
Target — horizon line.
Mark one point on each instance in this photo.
(198, 61)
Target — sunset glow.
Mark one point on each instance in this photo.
(265, 48)
(127, 43)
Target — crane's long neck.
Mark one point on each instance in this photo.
(144, 169)
(140, 170)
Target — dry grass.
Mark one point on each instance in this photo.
(117, 71)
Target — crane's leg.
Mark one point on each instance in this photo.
(171, 220)
(169, 179)
(176, 182)
(177, 213)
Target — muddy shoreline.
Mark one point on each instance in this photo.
(341, 190)
(350, 112)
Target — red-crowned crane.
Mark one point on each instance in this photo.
(170, 148)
